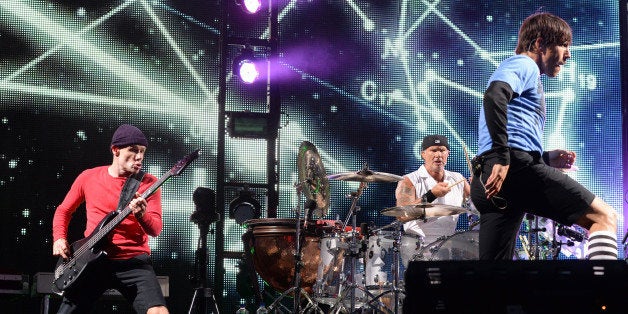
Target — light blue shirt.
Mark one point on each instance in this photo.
(526, 112)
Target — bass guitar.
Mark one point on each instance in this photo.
(87, 250)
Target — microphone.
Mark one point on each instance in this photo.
(205, 206)
(204, 198)
(574, 235)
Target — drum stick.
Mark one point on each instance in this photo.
(458, 182)
(466, 155)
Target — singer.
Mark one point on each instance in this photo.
(512, 172)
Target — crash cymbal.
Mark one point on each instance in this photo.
(366, 175)
(423, 210)
(312, 174)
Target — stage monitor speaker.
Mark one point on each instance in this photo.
(555, 286)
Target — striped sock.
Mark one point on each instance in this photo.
(602, 245)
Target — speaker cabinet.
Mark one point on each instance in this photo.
(558, 286)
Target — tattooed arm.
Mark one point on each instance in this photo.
(406, 195)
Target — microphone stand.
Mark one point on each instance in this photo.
(199, 303)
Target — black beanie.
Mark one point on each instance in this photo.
(126, 135)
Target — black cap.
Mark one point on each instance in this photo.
(434, 140)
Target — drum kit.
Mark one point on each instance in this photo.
(336, 266)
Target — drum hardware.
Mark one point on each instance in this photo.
(314, 185)
(544, 239)
(353, 253)
(298, 264)
(535, 241)
(364, 176)
(571, 235)
(393, 224)
(355, 249)
(395, 289)
(474, 224)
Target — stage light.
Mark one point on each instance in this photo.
(244, 207)
(246, 124)
(248, 67)
(250, 6)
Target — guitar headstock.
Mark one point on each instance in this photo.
(184, 162)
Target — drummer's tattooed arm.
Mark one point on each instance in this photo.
(405, 193)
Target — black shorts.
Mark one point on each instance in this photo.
(533, 187)
(134, 278)
(530, 186)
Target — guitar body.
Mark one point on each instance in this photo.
(67, 272)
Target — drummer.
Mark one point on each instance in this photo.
(431, 183)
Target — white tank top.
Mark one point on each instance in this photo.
(435, 227)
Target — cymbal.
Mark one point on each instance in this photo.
(312, 173)
(366, 175)
(423, 210)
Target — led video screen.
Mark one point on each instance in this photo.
(362, 80)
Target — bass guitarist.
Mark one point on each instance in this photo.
(125, 264)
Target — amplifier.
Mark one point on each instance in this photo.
(14, 284)
(42, 284)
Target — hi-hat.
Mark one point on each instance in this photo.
(423, 210)
(366, 175)
(312, 174)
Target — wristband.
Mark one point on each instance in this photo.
(428, 197)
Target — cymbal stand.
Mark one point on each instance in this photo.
(298, 291)
(535, 247)
(355, 249)
(354, 202)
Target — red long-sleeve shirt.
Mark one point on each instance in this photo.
(101, 193)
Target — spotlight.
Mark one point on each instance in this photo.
(248, 67)
(250, 6)
(244, 207)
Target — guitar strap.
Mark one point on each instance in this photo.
(131, 185)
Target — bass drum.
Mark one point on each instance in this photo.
(460, 246)
(272, 245)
